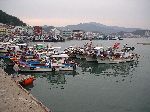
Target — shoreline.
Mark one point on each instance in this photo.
(14, 98)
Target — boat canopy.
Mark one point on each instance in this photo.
(56, 47)
(82, 50)
(16, 48)
(30, 47)
(119, 52)
(2, 48)
(7, 43)
(60, 55)
(40, 44)
(97, 48)
(73, 46)
(24, 44)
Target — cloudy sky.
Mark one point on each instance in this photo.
(127, 13)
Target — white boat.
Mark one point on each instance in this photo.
(109, 61)
(62, 68)
(34, 66)
(80, 53)
(133, 57)
(92, 55)
(3, 50)
(60, 62)
(90, 58)
(37, 69)
(80, 56)
(125, 57)
(4, 47)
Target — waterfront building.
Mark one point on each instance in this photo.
(29, 30)
(3, 29)
(89, 35)
(66, 33)
(37, 30)
(44, 33)
(56, 32)
(147, 33)
(129, 35)
(9, 31)
(19, 30)
(78, 34)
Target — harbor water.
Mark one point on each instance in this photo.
(97, 87)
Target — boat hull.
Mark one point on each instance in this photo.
(131, 59)
(90, 59)
(3, 51)
(110, 61)
(27, 81)
(66, 69)
(80, 57)
(25, 69)
(113, 61)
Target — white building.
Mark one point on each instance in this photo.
(78, 34)
(66, 33)
(3, 29)
(28, 30)
(19, 30)
(55, 32)
(147, 33)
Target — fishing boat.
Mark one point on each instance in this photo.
(71, 51)
(3, 50)
(34, 66)
(27, 81)
(80, 53)
(60, 62)
(4, 47)
(91, 57)
(91, 54)
(115, 60)
(104, 60)
(115, 38)
(111, 55)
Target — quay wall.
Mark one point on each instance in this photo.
(14, 98)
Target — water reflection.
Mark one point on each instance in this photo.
(29, 87)
(108, 70)
(54, 79)
(59, 79)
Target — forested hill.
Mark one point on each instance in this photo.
(10, 20)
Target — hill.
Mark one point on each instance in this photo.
(10, 20)
(97, 27)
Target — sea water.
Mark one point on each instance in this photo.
(98, 87)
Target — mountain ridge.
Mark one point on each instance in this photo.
(98, 27)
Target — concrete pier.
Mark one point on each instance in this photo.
(14, 98)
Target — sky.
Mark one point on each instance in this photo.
(125, 13)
